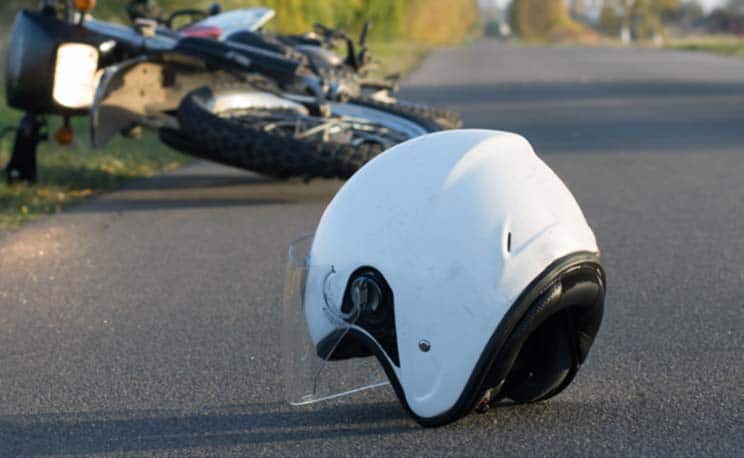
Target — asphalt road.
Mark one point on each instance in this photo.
(146, 321)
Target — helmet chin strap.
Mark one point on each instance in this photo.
(368, 306)
(366, 294)
(334, 306)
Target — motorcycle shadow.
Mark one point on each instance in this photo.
(206, 185)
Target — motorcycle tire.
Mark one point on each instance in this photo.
(205, 134)
(447, 119)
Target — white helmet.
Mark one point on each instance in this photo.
(462, 263)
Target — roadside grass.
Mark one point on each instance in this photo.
(68, 174)
(725, 45)
(397, 57)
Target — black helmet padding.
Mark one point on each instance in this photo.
(552, 339)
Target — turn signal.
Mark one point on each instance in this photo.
(64, 134)
(85, 6)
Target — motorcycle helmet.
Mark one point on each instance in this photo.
(456, 267)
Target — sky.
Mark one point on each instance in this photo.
(707, 4)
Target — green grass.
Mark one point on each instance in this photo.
(724, 45)
(400, 57)
(68, 174)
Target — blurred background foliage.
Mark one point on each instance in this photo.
(641, 18)
(559, 20)
(603, 21)
(424, 21)
(546, 20)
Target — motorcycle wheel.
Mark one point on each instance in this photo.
(279, 136)
(447, 119)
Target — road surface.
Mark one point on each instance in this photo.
(146, 321)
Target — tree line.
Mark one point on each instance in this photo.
(426, 21)
(547, 20)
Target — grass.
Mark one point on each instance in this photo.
(718, 44)
(725, 45)
(68, 174)
(397, 57)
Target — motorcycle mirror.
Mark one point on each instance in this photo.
(363, 34)
(351, 56)
(214, 9)
(363, 58)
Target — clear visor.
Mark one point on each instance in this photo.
(315, 332)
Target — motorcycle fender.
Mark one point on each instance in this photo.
(142, 92)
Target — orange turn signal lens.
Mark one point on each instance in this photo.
(64, 135)
(85, 5)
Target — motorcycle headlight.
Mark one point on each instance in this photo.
(75, 75)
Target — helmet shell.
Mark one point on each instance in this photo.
(459, 223)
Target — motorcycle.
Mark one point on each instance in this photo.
(245, 26)
(213, 97)
(349, 74)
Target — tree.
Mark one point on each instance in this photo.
(689, 12)
(729, 19)
(578, 8)
(642, 17)
(736, 7)
(534, 20)
(609, 20)
(547, 20)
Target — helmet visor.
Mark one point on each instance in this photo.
(314, 332)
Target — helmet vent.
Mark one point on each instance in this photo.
(508, 242)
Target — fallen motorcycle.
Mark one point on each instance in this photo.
(222, 100)
(350, 73)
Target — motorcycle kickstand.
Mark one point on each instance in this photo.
(22, 163)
